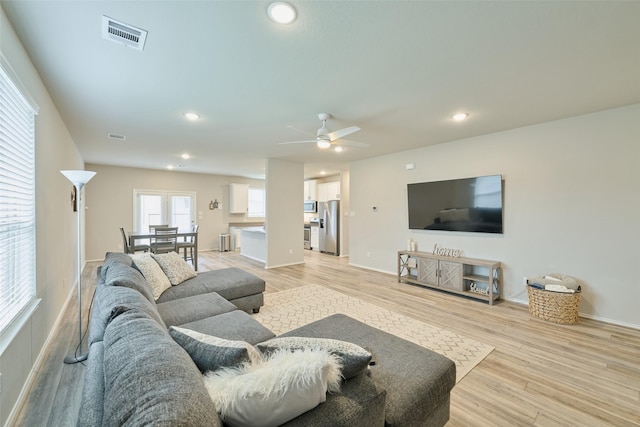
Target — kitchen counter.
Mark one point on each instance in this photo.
(254, 230)
(254, 243)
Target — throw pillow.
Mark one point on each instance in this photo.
(176, 269)
(210, 353)
(354, 358)
(151, 271)
(275, 390)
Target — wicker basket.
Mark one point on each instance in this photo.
(556, 307)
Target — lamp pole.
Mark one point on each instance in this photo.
(78, 178)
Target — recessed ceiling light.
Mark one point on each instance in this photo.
(281, 12)
(191, 116)
(338, 149)
(460, 117)
(170, 167)
(186, 156)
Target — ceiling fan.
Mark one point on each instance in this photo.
(325, 138)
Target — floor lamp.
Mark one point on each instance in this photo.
(78, 178)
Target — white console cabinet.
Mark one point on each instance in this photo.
(474, 278)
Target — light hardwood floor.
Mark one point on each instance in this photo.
(540, 374)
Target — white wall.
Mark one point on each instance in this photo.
(571, 205)
(285, 218)
(55, 227)
(109, 202)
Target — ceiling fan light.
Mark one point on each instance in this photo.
(323, 144)
(281, 12)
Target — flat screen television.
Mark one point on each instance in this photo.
(468, 204)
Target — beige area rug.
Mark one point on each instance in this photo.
(287, 310)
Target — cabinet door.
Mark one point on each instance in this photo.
(428, 271)
(310, 189)
(315, 238)
(238, 198)
(329, 191)
(451, 275)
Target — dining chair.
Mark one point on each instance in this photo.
(165, 240)
(189, 244)
(152, 228)
(131, 250)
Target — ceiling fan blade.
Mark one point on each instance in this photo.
(343, 132)
(300, 130)
(297, 142)
(349, 143)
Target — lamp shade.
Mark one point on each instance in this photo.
(78, 177)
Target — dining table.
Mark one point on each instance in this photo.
(146, 235)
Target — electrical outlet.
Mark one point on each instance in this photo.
(525, 281)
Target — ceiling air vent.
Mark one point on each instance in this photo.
(116, 136)
(120, 32)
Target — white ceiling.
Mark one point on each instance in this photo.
(396, 69)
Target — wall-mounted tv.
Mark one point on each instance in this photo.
(468, 204)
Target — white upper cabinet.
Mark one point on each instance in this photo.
(238, 198)
(329, 191)
(311, 189)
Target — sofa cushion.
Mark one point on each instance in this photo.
(149, 378)
(360, 403)
(210, 353)
(92, 408)
(229, 283)
(106, 298)
(276, 390)
(193, 308)
(417, 380)
(119, 274)
(235, 325)
(112, 258)
(354, 359)
(176, 269)
(150, 269)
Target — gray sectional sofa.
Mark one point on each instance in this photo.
(138, 375)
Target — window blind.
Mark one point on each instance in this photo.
(17, 201)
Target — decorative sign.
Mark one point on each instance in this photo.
(454, 253)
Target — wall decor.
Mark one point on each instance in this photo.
(74, 199)
(454, 253)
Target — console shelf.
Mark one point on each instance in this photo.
(473, 278)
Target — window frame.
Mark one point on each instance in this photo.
(256, 214)
(167, 211)
(17, 136)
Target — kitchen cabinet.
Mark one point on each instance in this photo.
(311, 189)
(315, 238)
(329, 191)
(238, 198)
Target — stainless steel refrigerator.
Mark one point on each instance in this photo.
(329, 227)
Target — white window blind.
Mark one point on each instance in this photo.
(17, 201)
(256, 203)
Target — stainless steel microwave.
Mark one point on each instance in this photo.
(310, 206)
